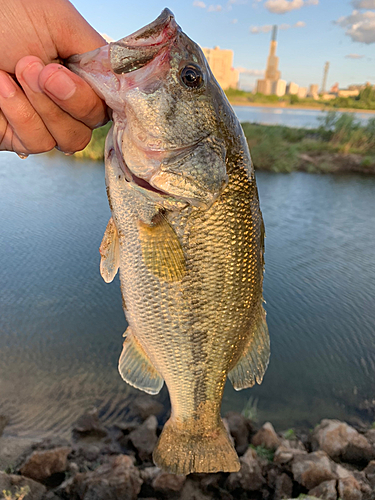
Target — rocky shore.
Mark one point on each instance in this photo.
(334, 461)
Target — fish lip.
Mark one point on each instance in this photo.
(141, 47)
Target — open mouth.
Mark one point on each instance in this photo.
(146, 185)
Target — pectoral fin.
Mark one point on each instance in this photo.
(254, 360)
(110, 252)
(136, 368)
(161, 250)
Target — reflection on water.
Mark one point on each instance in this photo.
(308, 118)
(61, 326)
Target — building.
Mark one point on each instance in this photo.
(302, 92)
(292, 88)
(271, 83)
(221, 64)
(348, 93)
(313, 91)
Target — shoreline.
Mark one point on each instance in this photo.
(332, 461)
(299, 107)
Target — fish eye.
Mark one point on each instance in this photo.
(192, 76)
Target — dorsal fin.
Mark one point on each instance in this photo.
(110, 251)
(252, 364)
(136, 368)
(161, 249)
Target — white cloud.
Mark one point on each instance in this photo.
(354, 56)
(360, 26)
(283, 6)
(261, 29)
(234, 21)
(214, 8)
(250, 72)
(363, 4)
(268, 27)
(198, 3)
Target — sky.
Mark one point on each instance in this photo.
(310, 33)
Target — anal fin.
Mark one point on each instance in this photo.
(110, 252)
(253, 363)
(136, 368)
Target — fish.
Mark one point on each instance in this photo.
(186, 235)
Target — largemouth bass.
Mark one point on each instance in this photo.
(186, 233)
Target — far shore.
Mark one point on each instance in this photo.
(236, 102)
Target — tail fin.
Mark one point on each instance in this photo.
(180, 451)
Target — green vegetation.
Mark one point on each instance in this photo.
(20, 493)
(250, 410)
(263, 452)
(365, 100)
(290, 434)
(339, 144)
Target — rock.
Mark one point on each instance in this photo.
(42, 464)
(283, 487)
(342, 442)
(117, 479)
(149, 473)
(166, 482)
(14, 483)
(370, 436)
(89, 425)
(191, 491)
(144, 438)
(370, 473)
(326, 490)
(226, 425)
(285, 455)
(312, 469)
(267, 437)
(145, 406)
(240, 428)
(12, 448)
(349, 489)
(293, 444)
(250, 476)
(89, 452)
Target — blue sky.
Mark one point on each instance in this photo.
(311, 33)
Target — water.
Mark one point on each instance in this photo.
(307, 118)
(61, 326)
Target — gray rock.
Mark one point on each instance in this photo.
(349, 489)
(117, 479)
(342, 442)
(370, 473)
(166, 482)
(13, 483)
(144, 438)
(145, 406)
(89, 425)
(240, 428)
(312, 469)
(267, 437)
(250, 476)
(149, 473)
(370, 436)
(326, 490)
(285, 455)
(191, 491)
(283, 487)
(42, 464)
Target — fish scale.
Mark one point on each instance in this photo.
(186, 234)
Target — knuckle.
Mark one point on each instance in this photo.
(76, 142)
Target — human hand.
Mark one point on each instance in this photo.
(55, 107)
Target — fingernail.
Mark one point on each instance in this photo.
(60, 85)
(7, 86)
(31, 76)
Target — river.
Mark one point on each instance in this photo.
(61, 326)
(307, 118)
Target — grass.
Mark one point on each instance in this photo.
(263, 452)
(20, 493)
(284, 149)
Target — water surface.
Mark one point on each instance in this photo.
(61, 326)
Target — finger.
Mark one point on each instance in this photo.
(70, 134)
(22, 129)
(73, 95)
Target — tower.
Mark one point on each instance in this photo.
(325, 75)
(272, 72)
